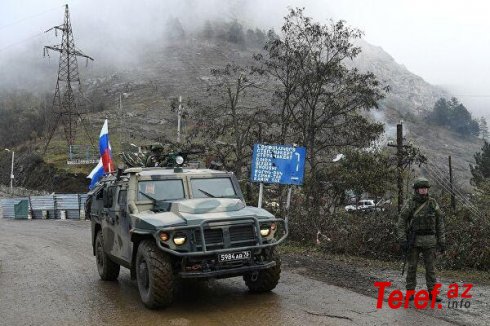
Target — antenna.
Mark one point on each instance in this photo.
(66, 105)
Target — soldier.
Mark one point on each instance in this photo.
(422, 216)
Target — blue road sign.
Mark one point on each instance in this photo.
(278, 164)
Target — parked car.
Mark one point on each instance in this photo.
(366, 205)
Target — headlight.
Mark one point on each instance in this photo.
(179, 160)
(265, 230)
(179, 239)
(164, 236)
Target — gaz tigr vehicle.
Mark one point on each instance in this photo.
(167, 224)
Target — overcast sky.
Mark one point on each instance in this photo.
(446, 42)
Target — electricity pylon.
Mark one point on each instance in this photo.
(66, 105)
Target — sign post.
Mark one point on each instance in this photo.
(282, 164)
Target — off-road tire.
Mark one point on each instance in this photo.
(266, 279)
(154, 275)
(108, 270)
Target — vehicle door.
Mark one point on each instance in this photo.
(108, 220)
(122, 224)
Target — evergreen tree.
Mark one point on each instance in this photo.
(481, 170)
(484, 129)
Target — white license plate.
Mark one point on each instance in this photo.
(232, 256)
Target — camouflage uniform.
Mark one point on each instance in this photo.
(428, 225)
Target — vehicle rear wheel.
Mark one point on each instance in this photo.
(154, 275)
(108, 270)
(264, 280)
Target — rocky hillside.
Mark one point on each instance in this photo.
(408, 92)
(163, 72)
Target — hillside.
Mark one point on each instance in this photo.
(162, 73)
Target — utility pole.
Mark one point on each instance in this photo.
(453, 198)
(11, 171)
(12, 174)
(179, 118)
(65, 105)
(399, 155)
(399, 167)
(120, 122)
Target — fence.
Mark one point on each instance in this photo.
(56, 206)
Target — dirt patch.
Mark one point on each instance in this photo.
(359, 274)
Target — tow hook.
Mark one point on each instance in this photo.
(254, 276)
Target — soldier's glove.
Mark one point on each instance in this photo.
(441, 247)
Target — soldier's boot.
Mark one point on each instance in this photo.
(438, 299)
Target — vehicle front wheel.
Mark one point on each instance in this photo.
(154, 275)
(264, 280)
(108, 270)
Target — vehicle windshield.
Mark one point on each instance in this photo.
(161, 189)
(213, 188)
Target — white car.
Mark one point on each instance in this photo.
(363, 205)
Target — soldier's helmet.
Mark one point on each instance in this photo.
(421, 183)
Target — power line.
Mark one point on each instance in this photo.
(442, 181)
(28, 17)
(443, 173)
(20, 42)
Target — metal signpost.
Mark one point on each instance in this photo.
(281, 164)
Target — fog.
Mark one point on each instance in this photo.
(444, 42)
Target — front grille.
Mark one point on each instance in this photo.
(239, 236)
(242, 235)
(242, 232)
(213, 238)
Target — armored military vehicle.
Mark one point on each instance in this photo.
(166, 224)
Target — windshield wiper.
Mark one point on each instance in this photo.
(150, 197)
(207, 193)
(214, 196)
(159, 205)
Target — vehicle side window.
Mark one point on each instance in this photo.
(121, 199)
(99, 194)
(109, 196)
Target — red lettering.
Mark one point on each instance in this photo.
(395, 300)
(453, 291)
(421, 299)
(381, 292)
(434, 293)
(407, 298)
(466, 294)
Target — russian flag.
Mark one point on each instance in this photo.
(105, 164)
(96, 174)
(105, 149)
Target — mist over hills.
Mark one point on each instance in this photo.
(175, 61)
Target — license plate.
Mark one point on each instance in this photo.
(232, 256)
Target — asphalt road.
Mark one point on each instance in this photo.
(48, 276)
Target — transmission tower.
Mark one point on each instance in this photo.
(66, 105)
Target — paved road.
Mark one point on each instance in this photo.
(48, 276)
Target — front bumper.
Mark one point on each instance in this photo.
(227, 272)
(217, 223)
